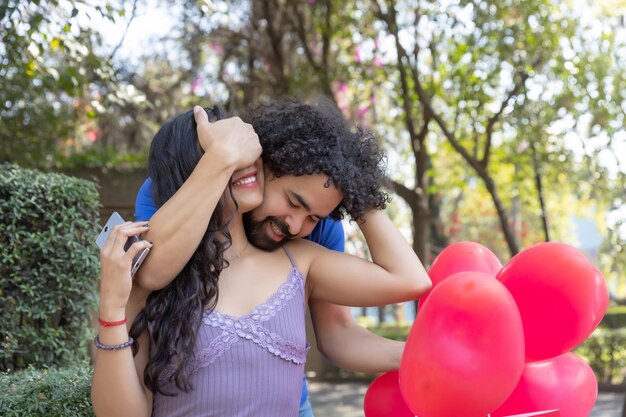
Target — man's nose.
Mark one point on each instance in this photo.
(294, 224)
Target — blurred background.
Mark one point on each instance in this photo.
(503, 120)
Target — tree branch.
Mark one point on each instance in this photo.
(523, 76)
(326, 34)
(410, 196)
(276, 43)
(320, 68)
(389, 19)
(133, 14)
(301, 32)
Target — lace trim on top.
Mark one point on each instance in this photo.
(249, 326)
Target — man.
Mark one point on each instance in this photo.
(298, 140)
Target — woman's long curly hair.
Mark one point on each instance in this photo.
(173, 315)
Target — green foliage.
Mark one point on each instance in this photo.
(612, 252)
(48, 267)
(605, 351)
(391, 332)
(50, 76)
(614, 318)
(106, 157)
(63, 392)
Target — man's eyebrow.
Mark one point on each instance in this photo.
(305, 205)
(301, 201)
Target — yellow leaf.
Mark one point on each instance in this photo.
(30, 68)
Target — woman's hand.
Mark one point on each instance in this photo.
(115, 264)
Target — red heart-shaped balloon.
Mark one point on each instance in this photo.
(461, 257)
(566, 383)
(383, 397)
(465, 351)
(561, 297)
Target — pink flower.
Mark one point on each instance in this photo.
(196, 83)
(311, 2)
(378, 62)
(216, 47)
(362, 111)
(92, 135)
(340, 87)
(357, 55)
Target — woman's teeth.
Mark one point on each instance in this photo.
(244, 181)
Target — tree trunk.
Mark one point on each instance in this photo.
(381, 315)
(398, 313)
(507, 230)
(421, 234)
(539, 185)
(438, 238)
(421, 223)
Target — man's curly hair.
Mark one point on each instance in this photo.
(312, 138)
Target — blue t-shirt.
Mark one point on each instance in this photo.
(328, 233)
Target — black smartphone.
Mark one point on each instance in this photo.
(114, 220)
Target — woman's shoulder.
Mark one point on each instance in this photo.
(303, 251)
(302, 245)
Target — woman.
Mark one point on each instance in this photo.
(242, 353)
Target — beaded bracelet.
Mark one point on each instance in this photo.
(102, 346)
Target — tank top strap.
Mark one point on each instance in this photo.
(293, 263)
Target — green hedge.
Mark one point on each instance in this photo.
(47, 393)
(614, 318)
(604, 350)
(48, 267)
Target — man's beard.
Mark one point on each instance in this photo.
(255, 231)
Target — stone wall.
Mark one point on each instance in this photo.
(117, 189)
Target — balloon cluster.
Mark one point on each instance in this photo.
(493, 340)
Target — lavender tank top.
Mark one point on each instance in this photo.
(247, 366)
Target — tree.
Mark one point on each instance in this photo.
(50, 72)
(492, 82)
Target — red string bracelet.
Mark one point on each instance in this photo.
(111, 323)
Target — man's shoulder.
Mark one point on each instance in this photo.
(328, 233)
(144, 203)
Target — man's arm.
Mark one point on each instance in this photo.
(349, 345)
(177, 228)
(338, 336)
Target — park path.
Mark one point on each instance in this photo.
(345, 399)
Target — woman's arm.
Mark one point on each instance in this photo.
(395, 275)
(179, 225)
(117, 388)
